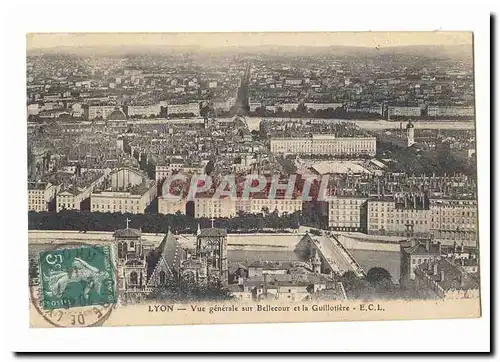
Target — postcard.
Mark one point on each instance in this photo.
(211, 178)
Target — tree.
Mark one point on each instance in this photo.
(356, 287)
(210, 166)
(378, 276)
(153, 222)
(301, 108)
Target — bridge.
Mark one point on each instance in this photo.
(334, 256)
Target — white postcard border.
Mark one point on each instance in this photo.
(454, 335)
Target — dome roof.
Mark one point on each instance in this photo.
(117, 115)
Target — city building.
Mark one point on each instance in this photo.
(127, 191)
(450, 111)
(454, 220)
(325, 145)
(347, 214)
(403, 216)
(289, 107)
(33, 109)
(415, 252)
(322, 106)
(189, 108)
(163, 171)
(41, 195)
(209, 207)
(257, 205)
(98, 111)
(171, 205)
(403, 111)
(75, 195)
(447, 279)
(143, 110)
(225, 207)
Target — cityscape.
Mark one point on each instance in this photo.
(259, 173)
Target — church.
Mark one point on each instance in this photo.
(142, 268)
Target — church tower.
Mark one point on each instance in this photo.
(211, 250)
(410, 134)
(316, 263)
(131, 263)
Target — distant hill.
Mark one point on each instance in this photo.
(449, 51)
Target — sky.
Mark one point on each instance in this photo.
(361, 39)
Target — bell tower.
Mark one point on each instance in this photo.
(128, 243)
(131, 263)
(316, 263)
(211, 250)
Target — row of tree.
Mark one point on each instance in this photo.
(303, 112)
(439, 161)
(378, 284)
(158, 223)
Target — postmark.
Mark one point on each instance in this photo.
(77, 286)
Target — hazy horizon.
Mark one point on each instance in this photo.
(41, 41)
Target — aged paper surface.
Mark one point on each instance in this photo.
(251, 177)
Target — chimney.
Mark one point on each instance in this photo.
(439, 247)
(435, 271)
(442, 276)
(461, 279)
(427, 244)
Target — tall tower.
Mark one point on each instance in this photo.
(211, 249)
(316, 263)
(410, 134)
(131, 263)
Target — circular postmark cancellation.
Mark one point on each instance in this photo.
(76, 284)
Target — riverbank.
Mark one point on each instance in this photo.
(369, 251)
(375, 124)
(260, 241)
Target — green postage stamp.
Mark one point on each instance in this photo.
(74, 277)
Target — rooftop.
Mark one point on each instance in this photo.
(37, 185)
(455, 277)
(212, 232)
(421, 247)
(127, 233)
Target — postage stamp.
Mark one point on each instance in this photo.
(76, 277)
